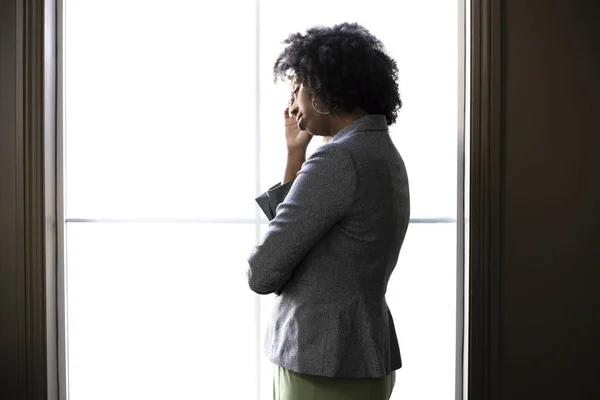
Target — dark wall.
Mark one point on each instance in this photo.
(12, 384)
(550, 250)
(23, 339)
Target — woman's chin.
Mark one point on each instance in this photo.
(303, 127)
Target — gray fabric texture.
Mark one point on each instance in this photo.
(332, 243)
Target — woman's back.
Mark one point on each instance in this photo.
(331, 318)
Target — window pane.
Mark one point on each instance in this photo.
(266, 366)
(422, 298)
(423, 38)
(159, 311)
(160, 116)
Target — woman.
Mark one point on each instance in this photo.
(338, 221)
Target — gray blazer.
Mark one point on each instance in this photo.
(333, 241)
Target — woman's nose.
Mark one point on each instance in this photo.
(294, 108)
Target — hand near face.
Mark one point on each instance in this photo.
(296, 140)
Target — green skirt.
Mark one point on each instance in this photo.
(289, 385)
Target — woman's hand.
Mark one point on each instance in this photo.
(296, 140)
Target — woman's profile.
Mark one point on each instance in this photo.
(337, 221)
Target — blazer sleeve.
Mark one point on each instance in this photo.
(321, 194)
(269, 200)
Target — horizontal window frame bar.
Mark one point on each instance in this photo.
(436, 220)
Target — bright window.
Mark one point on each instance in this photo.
(172, 128)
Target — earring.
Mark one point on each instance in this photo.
(315, 108)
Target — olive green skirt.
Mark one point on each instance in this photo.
(289, 385)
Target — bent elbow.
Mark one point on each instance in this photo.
(261, 279)
(259, 286)
(257, 282)
(266, 274)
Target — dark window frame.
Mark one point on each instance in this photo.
(486, 168)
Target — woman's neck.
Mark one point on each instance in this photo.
(339, 122)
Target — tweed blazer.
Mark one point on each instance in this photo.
(333, 240)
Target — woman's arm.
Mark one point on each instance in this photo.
(295, 159)
(296, 142)
(318, 198)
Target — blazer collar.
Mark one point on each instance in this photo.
(371, 122)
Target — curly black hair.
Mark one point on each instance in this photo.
(347, 65)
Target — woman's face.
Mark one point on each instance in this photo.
(307, 117)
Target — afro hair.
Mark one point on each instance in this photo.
(346, 65)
